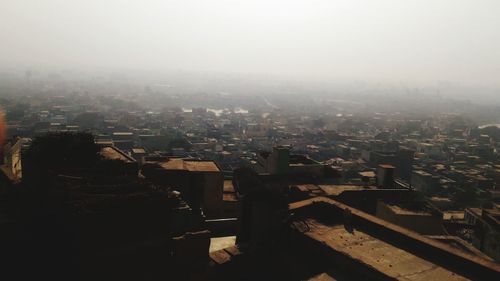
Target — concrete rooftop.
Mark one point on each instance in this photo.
(392, 261)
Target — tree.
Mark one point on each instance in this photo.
(63, 151)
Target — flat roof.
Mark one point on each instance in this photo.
(221, 243)
(138, 150)
(307, 187)
(369, 174)
(190, 165)
(453, 215)
(377, 254)
(201, 166)
(457, 261)
(173, 164)
(335, 189)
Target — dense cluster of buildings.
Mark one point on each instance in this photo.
(373, 196)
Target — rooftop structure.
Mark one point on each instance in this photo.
(376, 249)
(378, 255)
(486, 236)
(114, 153)
(199, 181)
(281, 162)
(128, 164)
(411, 215)
(323, 239)
(190, 165)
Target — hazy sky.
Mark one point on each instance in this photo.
(386, 40)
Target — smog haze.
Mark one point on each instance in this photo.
(378, 41)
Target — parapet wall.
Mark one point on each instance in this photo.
(441, 254)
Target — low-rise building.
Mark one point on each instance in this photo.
(199, 181)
